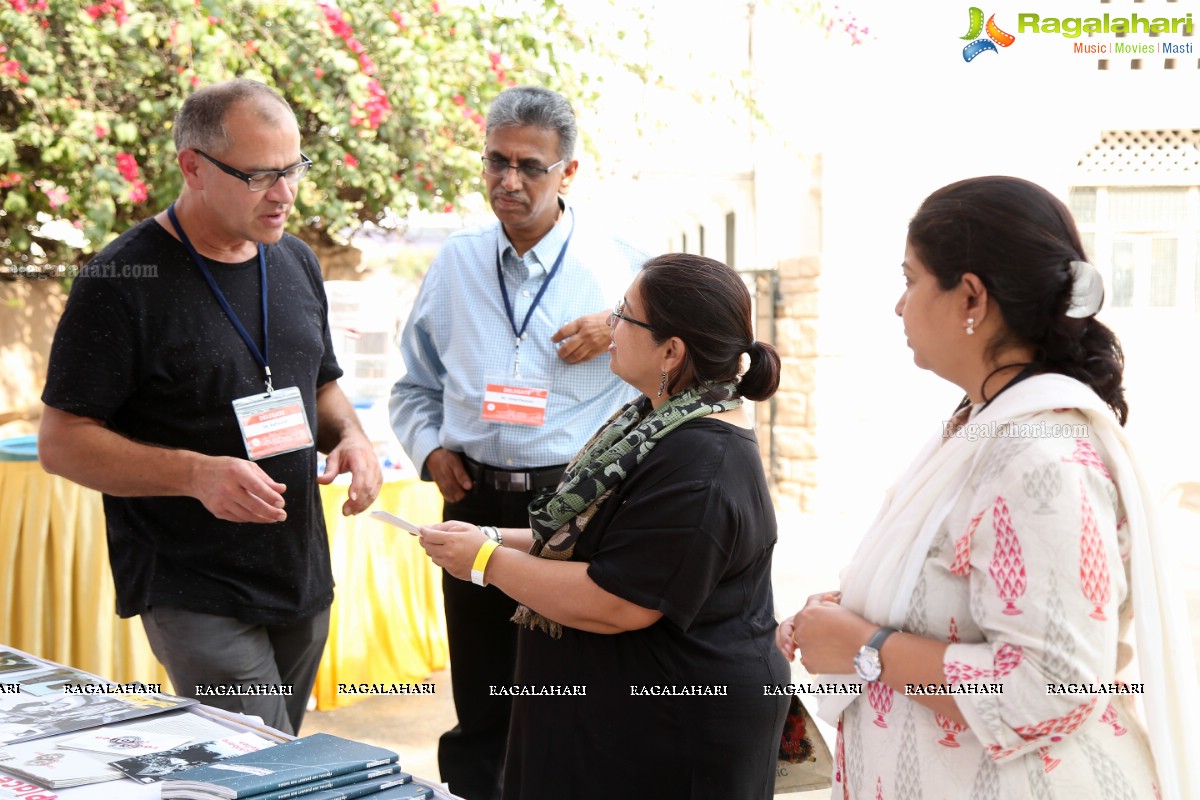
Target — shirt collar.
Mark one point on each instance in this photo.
(548, 247)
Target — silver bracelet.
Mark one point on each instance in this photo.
(493, 533)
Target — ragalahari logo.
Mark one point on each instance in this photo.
(995, 36)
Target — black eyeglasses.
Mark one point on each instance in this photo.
(616, 315)
(499, 167)
(264, 179)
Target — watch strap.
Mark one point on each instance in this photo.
(877, 638)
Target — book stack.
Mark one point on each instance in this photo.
(317, 767)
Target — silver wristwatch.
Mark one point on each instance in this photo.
(866, 662)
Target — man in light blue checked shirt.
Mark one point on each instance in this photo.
(507, 377)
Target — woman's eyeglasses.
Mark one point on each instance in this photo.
(616, 315)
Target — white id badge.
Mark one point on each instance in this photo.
(518, 400)
(273, 423)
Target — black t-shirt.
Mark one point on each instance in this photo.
(157, 360)
(690, 533)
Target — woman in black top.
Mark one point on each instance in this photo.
(644, 580)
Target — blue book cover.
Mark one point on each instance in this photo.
(377, 789)
(389, 775)
(307, 760)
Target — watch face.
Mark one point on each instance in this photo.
(867, 665)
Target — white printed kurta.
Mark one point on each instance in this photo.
(1028, 579)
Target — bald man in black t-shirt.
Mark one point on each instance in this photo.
(225, 558)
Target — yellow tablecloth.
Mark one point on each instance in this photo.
(57, 599)
(387, 624)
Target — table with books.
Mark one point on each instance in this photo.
(387, 621)
(67, 734)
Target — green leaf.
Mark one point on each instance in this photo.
(16, 204)
(125, 132)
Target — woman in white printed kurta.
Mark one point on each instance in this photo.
(1027, 579)
(1011, 555)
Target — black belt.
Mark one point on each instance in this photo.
(502, 480)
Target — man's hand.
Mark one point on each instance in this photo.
(584, 338)
(354, 454)
(237, 490)
(447, 470)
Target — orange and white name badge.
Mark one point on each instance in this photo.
(518, 405)
(273, 423)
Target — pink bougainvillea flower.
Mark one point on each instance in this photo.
(138, 192)
(350, 160)
(56, 195)
(128, 167)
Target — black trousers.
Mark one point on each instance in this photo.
(483, 653)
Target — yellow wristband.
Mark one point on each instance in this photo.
(481, 561)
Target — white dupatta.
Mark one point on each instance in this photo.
(880, 579)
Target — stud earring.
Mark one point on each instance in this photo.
(970, 326)
(662, 386)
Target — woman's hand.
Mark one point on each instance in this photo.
(829, 636)
(453, 546)
(784, 634)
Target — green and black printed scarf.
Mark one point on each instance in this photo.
(558, 517)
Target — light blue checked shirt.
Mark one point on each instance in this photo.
(458, 338)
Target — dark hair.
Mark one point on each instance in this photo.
(707, 305)
(533, 105)
(200, 123)
(1020, 240)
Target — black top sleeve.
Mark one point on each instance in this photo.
(93, 361)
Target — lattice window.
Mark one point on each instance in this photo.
(1143, 157)
(1136, 200)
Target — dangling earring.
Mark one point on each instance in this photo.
(662, 386)
(970, 326)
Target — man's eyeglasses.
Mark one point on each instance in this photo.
(498, 168)
(264, 179)
(616, 315)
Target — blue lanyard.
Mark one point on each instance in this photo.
(228, 309)
(512, 319)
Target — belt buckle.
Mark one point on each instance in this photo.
(512, 481)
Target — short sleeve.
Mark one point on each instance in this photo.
(668, 547)
(93, 358)
(329, 369)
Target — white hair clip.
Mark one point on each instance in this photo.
(1087, 290)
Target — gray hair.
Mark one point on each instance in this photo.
(200, 123)
(534, 105)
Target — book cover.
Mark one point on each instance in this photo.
(55, 768)
(25, 716)
(13, 661)
(312, 758)
(386, 776)
(388, 791)
(123, 741)
(13, 788)
(157, 766)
